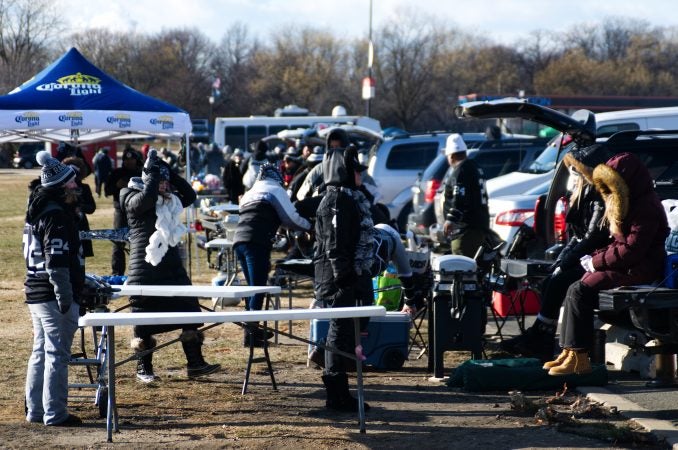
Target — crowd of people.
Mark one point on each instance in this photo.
(617, 223)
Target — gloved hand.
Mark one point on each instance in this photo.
(152, 163)
(587, 263)
(64, 306)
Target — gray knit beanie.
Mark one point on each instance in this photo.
(53, 173)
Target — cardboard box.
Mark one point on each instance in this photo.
(384, 343)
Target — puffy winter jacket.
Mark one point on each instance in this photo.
(637, 223)
(263, 209)
(139, 206)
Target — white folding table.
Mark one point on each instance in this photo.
(111, 320)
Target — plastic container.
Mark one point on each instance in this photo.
(384, 344)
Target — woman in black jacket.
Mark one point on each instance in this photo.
(153, 213)
(585, 226)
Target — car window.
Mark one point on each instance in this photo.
(547, 160)
(661, 164)
(255, 133)
(498, 163)
(609, 130)
(436, 170)
(411, 156)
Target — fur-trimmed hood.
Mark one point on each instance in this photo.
(585, 159)
(621, 180)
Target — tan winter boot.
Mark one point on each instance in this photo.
(577, 362)
(558, 361)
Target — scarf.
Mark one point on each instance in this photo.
(168, 228)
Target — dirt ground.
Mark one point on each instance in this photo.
(408, 410)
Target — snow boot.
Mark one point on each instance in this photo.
(191, 341)
(144, 363)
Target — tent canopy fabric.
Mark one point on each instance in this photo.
(73, 100)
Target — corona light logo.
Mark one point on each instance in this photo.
(75, 118)
(77, 84)
(29, 119)
(122, 120)
(165, 122)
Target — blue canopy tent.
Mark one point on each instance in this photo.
(74, 101)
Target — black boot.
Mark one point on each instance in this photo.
(536, 342)
(338, 396)
(253, 332)
(191, 341)
(144, 363)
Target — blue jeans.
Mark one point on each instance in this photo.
(255, 261)
(47, 374)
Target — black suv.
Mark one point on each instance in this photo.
(655, 148)
(495, 157)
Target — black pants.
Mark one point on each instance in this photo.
(118, 258)
(554, 288)
(341, 331)
(577, 328)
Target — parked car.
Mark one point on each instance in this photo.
(495, 157)
(508, 213)
(543, 168)
(396, 163)
(655, 148)
(25, 156)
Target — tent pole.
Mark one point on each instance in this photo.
(189, 211)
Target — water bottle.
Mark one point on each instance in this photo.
(411, 242)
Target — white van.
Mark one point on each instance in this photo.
(240, 132)
(542, 169)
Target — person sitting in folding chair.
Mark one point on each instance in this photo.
(389, 247)
(588, 233)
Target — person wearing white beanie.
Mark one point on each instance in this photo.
(467, 218)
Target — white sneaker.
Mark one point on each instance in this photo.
(146, 378)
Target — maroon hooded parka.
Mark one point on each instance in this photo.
(637, 223)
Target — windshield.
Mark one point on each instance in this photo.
(549, 157)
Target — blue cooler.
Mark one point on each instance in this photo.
(385, 342)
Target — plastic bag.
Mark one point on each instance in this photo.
(671, 209)
(387, 289)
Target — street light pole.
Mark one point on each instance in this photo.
(368, 81)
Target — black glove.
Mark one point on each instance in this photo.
(152, 162)
(64, 306)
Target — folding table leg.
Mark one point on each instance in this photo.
(112, 411)
(359, 378)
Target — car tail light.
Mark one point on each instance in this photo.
(559, 224)
(514, 218)
(431, 188)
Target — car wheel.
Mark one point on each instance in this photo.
(27, 165)
(392, 359)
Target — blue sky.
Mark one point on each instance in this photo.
(502, 20)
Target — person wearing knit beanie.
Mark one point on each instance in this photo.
(54, 174)
(54, 279)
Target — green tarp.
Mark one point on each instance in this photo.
(524, 374)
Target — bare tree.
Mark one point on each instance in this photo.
(27, 28)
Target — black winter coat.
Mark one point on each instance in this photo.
(139, 206)
(584, 221)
